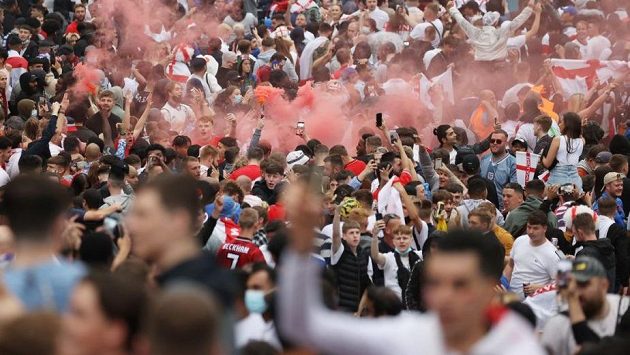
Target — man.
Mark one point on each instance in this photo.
(607, 228)
(272, 176)
(591, 309)
(35, 209)
(516, 220)
(463, 264)
(192, 167)
(442, 57)
(79, 16)
(598, 46)
(333, 164)
(542, 124)
(372, 11)
(179, 115)
(583, 228)
(228, 64)
(431, 12)
(353, 165)
(105, 315)
(470, 166)
(209, 82)
(104, 121)
(619, 164)
(567, 194)
(581, 37)
(241, 252)
(613, 188)
(115, 185)
(499, 166)
(480, 219)
(208, 156)
(533, 260)
(163, 222)
(521, 74)
(477, 193)
(252, 169)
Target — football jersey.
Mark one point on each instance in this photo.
(239, 253)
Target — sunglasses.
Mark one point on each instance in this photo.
(496, 141)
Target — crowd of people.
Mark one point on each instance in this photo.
(314, 177)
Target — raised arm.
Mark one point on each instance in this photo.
(374, 253)
(469, 29)
(536, 25)
(336, 236)
(406, 162)
(139, 127)
(522, 17)
(412, 211)
(587, 112)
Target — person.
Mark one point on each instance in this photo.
(252, 169)
(506, 239)
(607, 228)
(499, 166)
(200, 72)
(613, 188)
(5, 153)
(353, 165)
(105, 315)
(542, 125)
(598, 46)
(533, 260)
(104, 121)
(447, 138)
(516, 220)
(163, 222)
(349, 262)
(477, 194)
(179, 115)
(565, 151)
(228, 64)
(480, 220)
(461, 260)
(272, 177)
(583, 228)
(619, 164)
(36, 243)
(396, 265)
(241, 252)
(593, 314)
(513, 197)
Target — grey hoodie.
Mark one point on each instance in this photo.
(469, 205)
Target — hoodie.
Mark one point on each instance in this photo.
(603, 250)
(119, 102)
(266, 194)
(516, 220)
(469, 205)
(583, 168)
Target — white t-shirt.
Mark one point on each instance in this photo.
(381, 17)
(535, 265)
(429, 55)
(178, 117)
(327, 230)
(254, 328)
(583, 48)
(598, 47)
(391, 270)
(557, 334)
(4, 177)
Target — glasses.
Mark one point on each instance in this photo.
(496, 141)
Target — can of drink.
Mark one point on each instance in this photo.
(524, 285)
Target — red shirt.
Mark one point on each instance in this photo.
(251, 171)
(239, 253)
(355, 166)
(73, 27)
(214, 141)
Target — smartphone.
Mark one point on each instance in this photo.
(299, 128)
(43, 101)
(440, 208)
(379, 120)
(438, 163)
(564, 271)
(393, 136)
(379, 216)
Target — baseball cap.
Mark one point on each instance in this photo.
(520, 140)
(470, 164)
(16, 123)
(571, 10)
(611, 177)
(296, 157)
(586, 268)
(603, 157)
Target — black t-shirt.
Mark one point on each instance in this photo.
(94, 123)
(84, 134)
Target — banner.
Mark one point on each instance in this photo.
(526, 167)
(445, 80)
(578, 76)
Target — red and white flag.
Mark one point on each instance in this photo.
(526, 167)
(578, 76)
(445, 80)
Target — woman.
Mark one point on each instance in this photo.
(564, 152)
(284, 47)
(245, 71)
(229, 100)
(399, 23)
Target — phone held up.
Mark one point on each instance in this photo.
(299, 128)
(379, 120)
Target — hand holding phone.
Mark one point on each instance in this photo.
(438, 163)
(379, 120)
(393, 136)
(299, 128)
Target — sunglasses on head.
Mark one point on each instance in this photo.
(496, 141)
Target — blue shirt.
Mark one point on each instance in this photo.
(619, 216)
(44, 286)
(500, 173)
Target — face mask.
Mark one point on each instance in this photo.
(237, 99)
(255, 301)
(404, 253)
(365, 30)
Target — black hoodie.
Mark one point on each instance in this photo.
(266, 194)
(603, 250)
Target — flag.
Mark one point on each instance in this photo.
(526, 163)
(445, 80)
(578, 76)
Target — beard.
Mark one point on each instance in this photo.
(592, 308)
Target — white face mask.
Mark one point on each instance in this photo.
(365, 30)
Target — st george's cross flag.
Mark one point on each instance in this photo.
(578, 76)
(526, 163)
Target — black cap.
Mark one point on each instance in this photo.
(65, 50)
(45, 43)
(470, 164)
(232, 76)
(118, 171)
(33, 23)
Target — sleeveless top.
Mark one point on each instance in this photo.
(570, 156)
